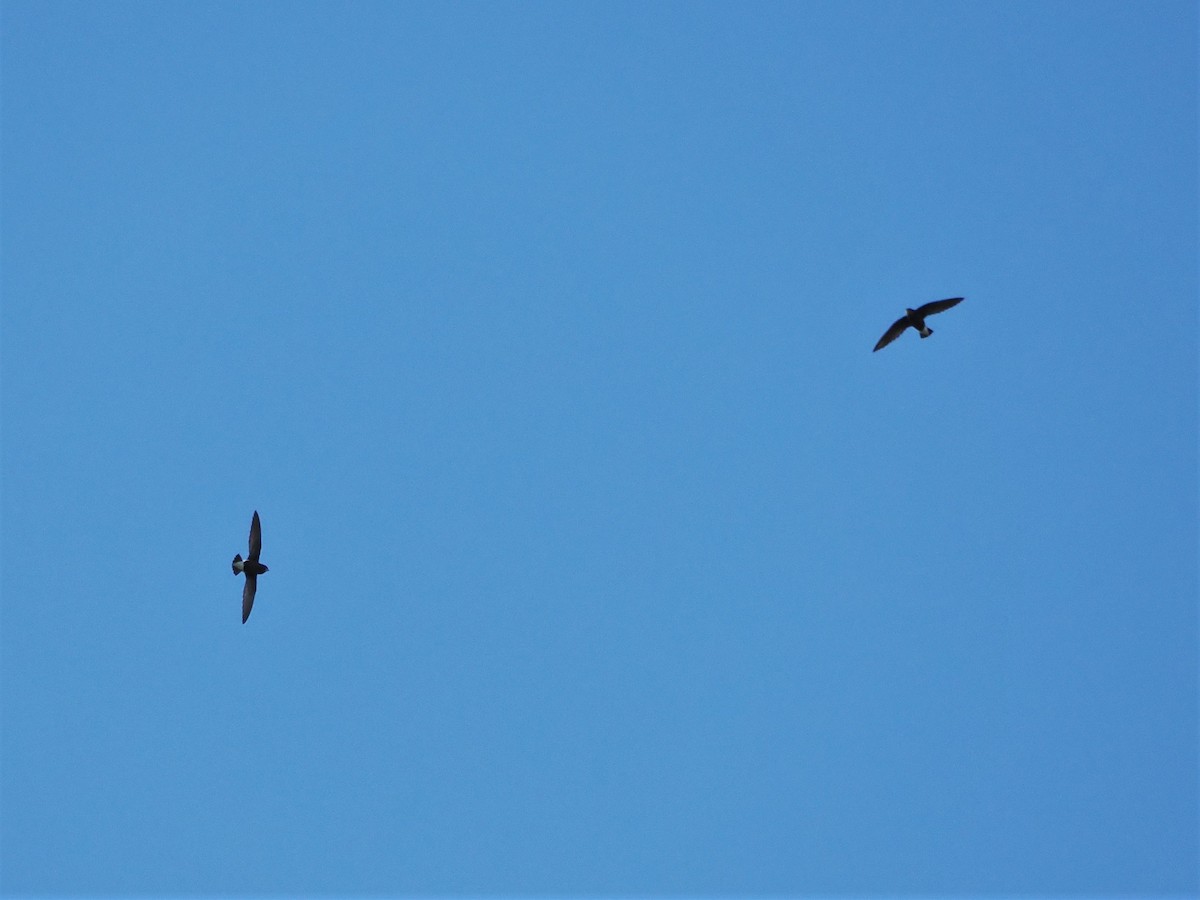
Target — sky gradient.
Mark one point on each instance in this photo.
(606, 559)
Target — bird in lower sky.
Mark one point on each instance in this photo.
(916, 318)
(250, 566)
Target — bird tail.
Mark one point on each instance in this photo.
(237, 568)
(926, 331)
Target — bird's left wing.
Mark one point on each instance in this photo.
(892, 333)
(255, 537)
(938, 306)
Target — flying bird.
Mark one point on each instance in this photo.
(250, 567)
(916, 318)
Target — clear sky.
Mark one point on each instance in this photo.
(606, 558)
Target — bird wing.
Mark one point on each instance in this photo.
(938, 306)
(255, 537)
(892, 333)
(248, 596)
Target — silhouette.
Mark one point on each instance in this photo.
(916, 319)
(250, 567)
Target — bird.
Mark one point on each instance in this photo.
(916, 318)
(250, 566)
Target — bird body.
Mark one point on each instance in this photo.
(250, 567)
(917, 321)
(247, 565)
(915, 318)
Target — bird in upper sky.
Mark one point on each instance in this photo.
(250, 567)
(916, 318)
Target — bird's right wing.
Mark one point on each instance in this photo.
(255, 537)
(892, 333)
(248, 596)
(938, 306)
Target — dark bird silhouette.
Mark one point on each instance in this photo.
(916, 318)
(250, 567)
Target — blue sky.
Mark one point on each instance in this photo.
(606, 559)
